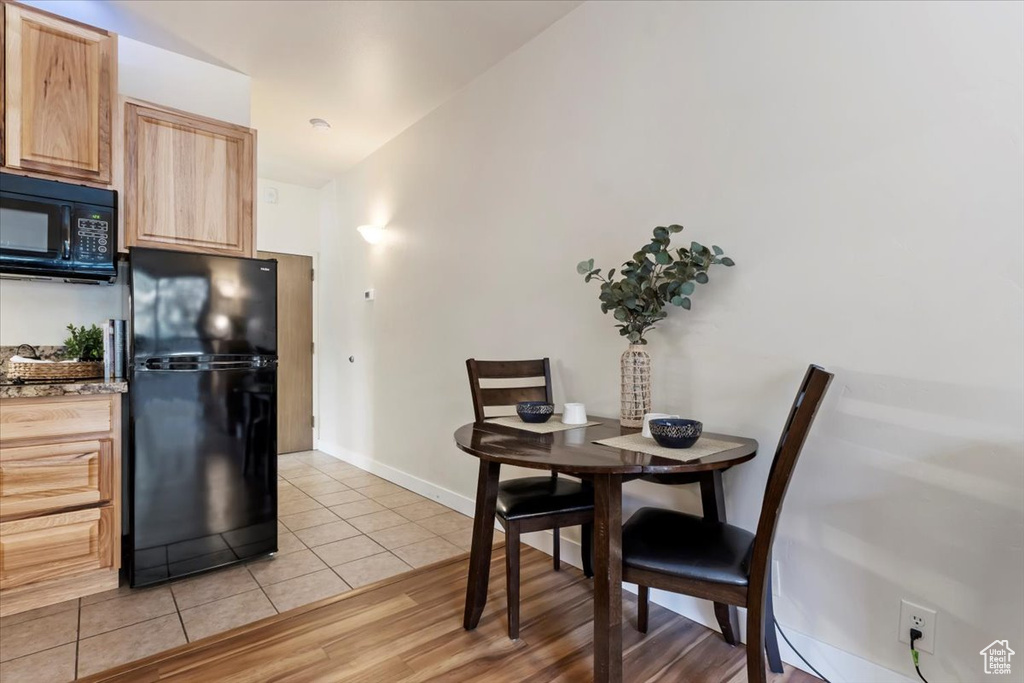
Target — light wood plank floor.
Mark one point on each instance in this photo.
(409, 629)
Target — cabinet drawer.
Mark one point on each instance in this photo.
(41, 418)
(39, 479)
(54, 546)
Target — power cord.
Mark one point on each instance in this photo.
(783, 634)
(915, 634)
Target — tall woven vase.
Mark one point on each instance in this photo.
(636, 386)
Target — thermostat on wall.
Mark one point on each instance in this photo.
(369, 295)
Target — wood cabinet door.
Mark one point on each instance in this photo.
(47, 478)
(60, 81)
(54, 546)
(189, 182)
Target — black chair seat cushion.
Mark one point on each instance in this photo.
(534, 496)
(686, 546)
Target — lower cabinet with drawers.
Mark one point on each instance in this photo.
(60, 507)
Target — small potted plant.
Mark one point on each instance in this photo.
(654, 278)
(84, 344)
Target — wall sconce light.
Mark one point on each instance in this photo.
(374, 234)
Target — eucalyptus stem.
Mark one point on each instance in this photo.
(653, 279)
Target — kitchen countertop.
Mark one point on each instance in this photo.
(73, 388)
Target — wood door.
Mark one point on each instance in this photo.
(50, 547)
(295, 351)
(189, 182)
(60, 85)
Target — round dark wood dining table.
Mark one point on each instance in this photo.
(573, 452)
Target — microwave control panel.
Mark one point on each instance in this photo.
(94, 241)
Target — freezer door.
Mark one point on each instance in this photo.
(203, 470)
(197, 304)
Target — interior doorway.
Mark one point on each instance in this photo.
(295, 351)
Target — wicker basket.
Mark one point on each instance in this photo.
(41, 372)
(54, 371)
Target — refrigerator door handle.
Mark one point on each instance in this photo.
(164, 365)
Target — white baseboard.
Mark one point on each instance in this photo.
(424, 488)
(837, 665)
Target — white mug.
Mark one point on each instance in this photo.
(647, 422)
(574, 414)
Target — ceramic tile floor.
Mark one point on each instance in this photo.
(340, 528)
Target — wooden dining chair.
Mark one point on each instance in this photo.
(530, 503)
(687, 554)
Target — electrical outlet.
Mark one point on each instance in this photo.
(921, 618)
(776, 580)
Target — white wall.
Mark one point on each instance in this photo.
(862, 163)
(38, 312)
(292, 226)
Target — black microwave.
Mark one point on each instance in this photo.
(50, 229)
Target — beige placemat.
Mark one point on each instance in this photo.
(637, 442)
(554, 424)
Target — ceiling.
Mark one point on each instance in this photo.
(371, 69)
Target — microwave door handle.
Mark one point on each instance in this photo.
(65, 228)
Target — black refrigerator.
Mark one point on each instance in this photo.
(202, 466)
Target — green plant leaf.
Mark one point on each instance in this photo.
(654, 279)
(84, 343)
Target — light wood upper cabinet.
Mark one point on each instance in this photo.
(60, 80)
(189, 182)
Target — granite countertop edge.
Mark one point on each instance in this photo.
(80, 388)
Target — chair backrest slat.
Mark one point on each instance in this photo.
(492, 397)
(511, 369)
(791, 443)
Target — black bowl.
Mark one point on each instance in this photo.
(535, 411)
(672, 432)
